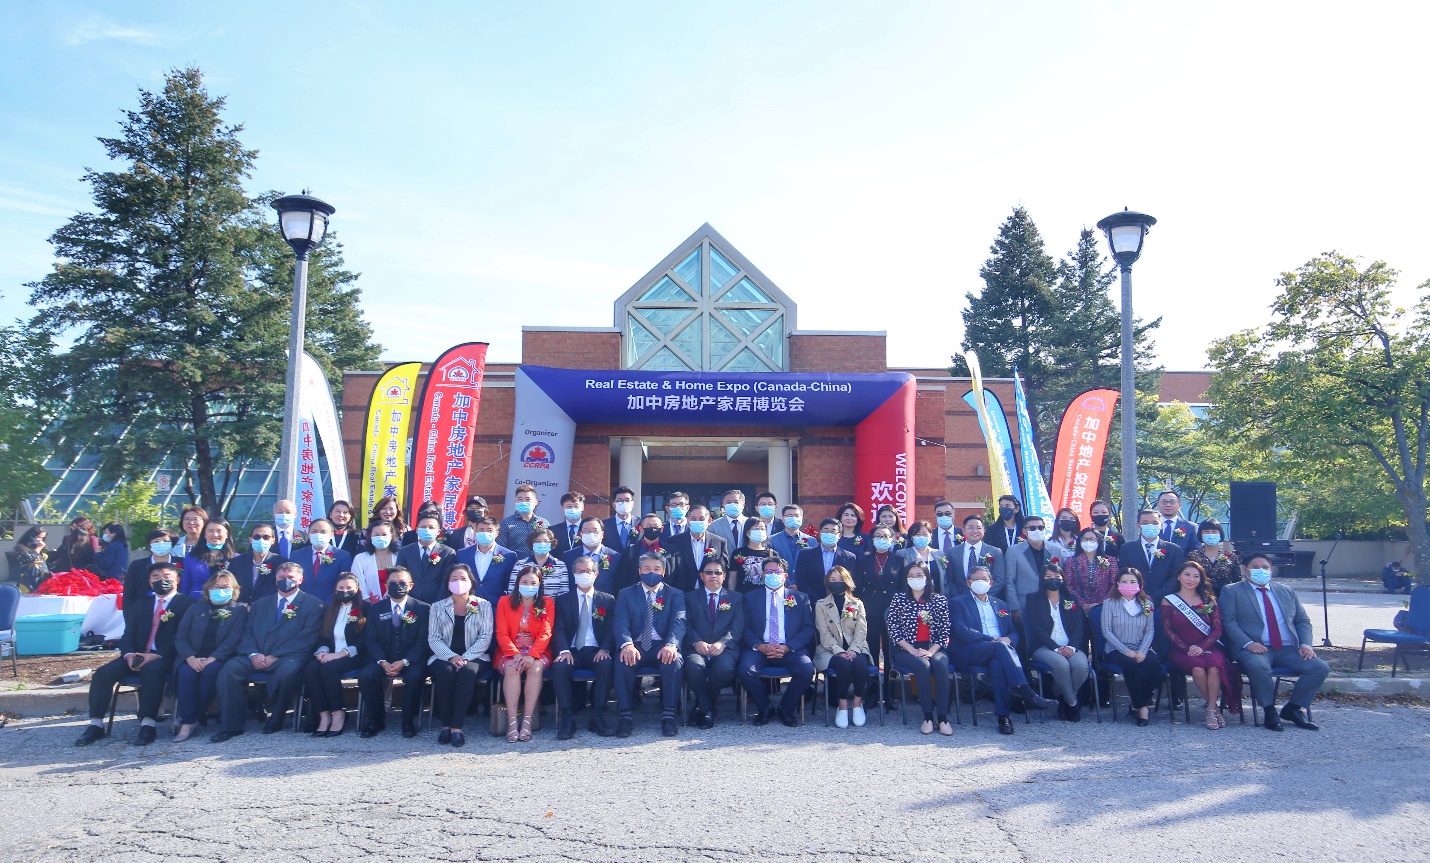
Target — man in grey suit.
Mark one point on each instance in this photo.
(730, 526)
(1025, 562)
(281, 636)
(972, 553)
(1266, 626)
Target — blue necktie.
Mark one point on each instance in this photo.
(282, 607)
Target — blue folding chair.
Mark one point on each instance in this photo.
(1045, 671)
(973, 672)
(823, 677)
(1418, 619)
(1099, 645)
(9, 607)
(777, 673)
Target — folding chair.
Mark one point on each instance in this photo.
(776, 673)
(822, 677)
(1418, 619)
(9, 607)
(1045, 671)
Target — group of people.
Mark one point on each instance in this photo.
(104, 552)
(700, 600)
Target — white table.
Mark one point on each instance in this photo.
(101, 613)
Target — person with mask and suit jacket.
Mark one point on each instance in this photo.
(692, 547)
(714, 623)
(255, 569)
(1024, 563)
(461, 631)
(813, 564)
(1157, 559)
(339, 655)
(879, 577)
(321, 563)
(396, 648)
(590, 543)
(208, 637)
(1266, 627)
(285, 520)
(1175, 529)
(842, 653)
(568, 530)
(146, 649)
(1003, 534)
(466, 535)
(1057, 637)
(789, 542)
(648, 541)
(973, 553)
(649, 628)
(281, 635)
(919, 633)
(621, 528)
(490, 564)
(982, 634)
(923, 551)
(582, 641)
(779, 633)
(161, 550)
(677, 514)
(1109, 543)
(731, 524)
(428, 560)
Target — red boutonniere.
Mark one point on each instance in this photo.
(290, 612)
(899, 540)
(540, 610)
(409, 617)
(177, 564)
(472, 605)
(1002, 612)
(498, 558)
(739, 560)
(1159, 553)
(724, 606)
(1069, 605)
(434, 557)
(1206, 609)
(1104, 561)
(858, 540)
(1179, 532)
(988, 559)
(1146, 606)
(167, 616)
(222, 614)
(354, 615)
(659, 605)
(958, 540)
(599, 614)
(327, 557)
(849, 612)
(548, 568)
(802, 542)
(540, 522)
(789, 602)
(264, 569)
(605, 561)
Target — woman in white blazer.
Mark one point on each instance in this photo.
(843, 652)
(459, 653)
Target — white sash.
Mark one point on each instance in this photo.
(1197, 620)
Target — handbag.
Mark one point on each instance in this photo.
(499, 720)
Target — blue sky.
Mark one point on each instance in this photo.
(501, 164)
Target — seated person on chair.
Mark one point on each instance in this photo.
(983, 635)
(779, 634)
(524, 624)
(459, 634)
(714, 621)
(1057, 634)
(395, 647)
(1267, 627)
(649, 627)
(843, 651)
(338, 655)
(1128, 630)
(279, 638)
(582, 642)
(1191, 620)
(146, 650)
(208, 637)
(918, 632)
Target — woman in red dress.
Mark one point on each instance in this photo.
(524, 625)
(1192, 623)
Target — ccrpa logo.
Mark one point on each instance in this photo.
(537, 456)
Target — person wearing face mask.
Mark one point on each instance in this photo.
(842, 626)
(731, 524)
(714, 623)
(648, 541)
(621, 525)
(648, 629)
(677, 512)
(1025, 563)
(460, 632)
(321, 563)
(1066, 528)
(213, 554)
(555, 577)
(975, 552)
(779, 635)
(590, 542)
(345, 534)
(1191, 622)
(1089, 574)
(880, 576)
(1109, 543)
(280, 635)
(1128, 627)
(983, 635)
(788, 543)
(428, 559)
(582, 641)
(767, 507)
(378, 555)
(1057, 636)
(919, 629)
(568, 530)
(1153, 556)
(1267, 627)
(946, 535)
(748, 562)
(147, 649)
(429, 509)
(694, 547)
(161, 550)
(113, 557)
(466, 535)
(923, 550)
(208, 637)
(255, 569)
(1221, 562)
(338, 655)
(285, 521)
(490, 563)
(516, 527)
(395, 648)
(1004, 532)
(812, 566)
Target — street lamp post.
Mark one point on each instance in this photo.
(304, 222)
(1125, 232)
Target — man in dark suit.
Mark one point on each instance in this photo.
(321, 562)
(677, 515)
(136, 577)
(766, 507)
(813, 564)
(621, 527)
(693, 546)
(146, 649)
(466, 535)
(982, 634)
(1175, 529)
(1157, 559)
(280, 638)
(946, 535)
(582, 641)
(714, 624)
(779, 633)
(396, 648)
(429, 561)
(568, 530)
(489, 562)
(649, 542)
(1004, 533)
(649, 627)
(285, 519)
(974, 552)
(254, 570)
(591, 544)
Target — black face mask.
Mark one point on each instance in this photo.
(286, 585)
(1100, 520)
(1068, 526)
(651, 534)
(838, 588)
(473, 514)
(346, 595)
(397, 590)
(1005, 512)
(1051, 584)
(162, 587)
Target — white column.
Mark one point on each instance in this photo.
(781, 473)
(632, 455)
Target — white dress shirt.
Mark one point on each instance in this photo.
(987, 619)
(1060, 635)
(777, 597)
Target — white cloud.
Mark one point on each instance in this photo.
(97, 28)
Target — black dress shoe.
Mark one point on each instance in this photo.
(1074, 713)
(1271, 722)
(91, 734)
(762, 717)
(409, 731)
(1034, 700)
(271, 727)
(789, 719)
(694, 717)
(338, 733)
(368, 731)
(459, 739)
(147, 734)
(624, 726)
(707, 721)
(566, 726)
(223, 736)
(1005, 725)
(1143, 722)
(445, 737)
(598, 726)
(316, 733)
(669, 728)
(1291, 713)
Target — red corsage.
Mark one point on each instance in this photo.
(498, 558)
(434, 557)
(724, 606)
(658, 605)
(789, 602)
(599, 614)
(1002, 612)
(326, 557)
(409, 617)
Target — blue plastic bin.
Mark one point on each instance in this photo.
(47, 634)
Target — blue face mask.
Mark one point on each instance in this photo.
(220, 595)
(945, 522)
(766, 511)
(260, 545)
(829, 539)
(571, 514)
(161, 549)
(541, 548)
(381, 542)
(283, 519)
(214, 546)
(426, 534)
(1261, 577)
(774, 580)
(794, 522)
(732, 510)
(528, 590)
(921, 542)
(697, 527)
(1211, 539)
(651, 579)
(881, 544)
(678, 512)
(1150, 531)
(486, 537)
(525, 507)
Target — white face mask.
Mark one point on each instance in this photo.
(623, 507)
(981, 587)
(320, 540)
(591, 539)
(585, 579)
(1089, 545)
(1037, 535)
(917, 584)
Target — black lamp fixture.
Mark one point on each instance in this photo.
(303, 220)
(1125, 232)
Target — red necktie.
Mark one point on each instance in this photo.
(154, 626)
(1273, 631)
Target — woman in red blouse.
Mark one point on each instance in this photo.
(524, 623)
(1089, 576)
(1192, 623)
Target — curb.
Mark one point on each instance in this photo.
(56, 701)
(1378, 685)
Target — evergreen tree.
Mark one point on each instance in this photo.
(176, 293)
(1006, 325)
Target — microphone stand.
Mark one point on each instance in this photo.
(1325, 606)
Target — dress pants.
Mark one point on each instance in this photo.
(370, 682)
(323, 681)
(880, 647)
(708, 675)
(797, 664)
(151, 687)
(1142, 677)
(649, 663)
(1312, 673)
(583, 659)
(847, 677)
(931, 676)
(453, 690)
(1004, 674)
(286, 674)
(195, 689)
(1069, 673)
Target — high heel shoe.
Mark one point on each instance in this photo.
(512, 734)
(525, 729)
(185, 731)
(1211, 718)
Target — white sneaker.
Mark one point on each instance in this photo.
(859, 717)
(841, 719)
